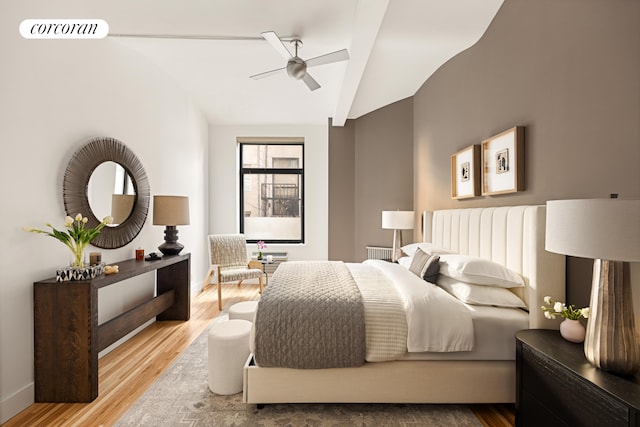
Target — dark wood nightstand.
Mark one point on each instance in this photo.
(557, 386)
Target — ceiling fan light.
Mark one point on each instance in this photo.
(296, 68)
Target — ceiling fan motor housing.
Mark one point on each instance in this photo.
(296, 68)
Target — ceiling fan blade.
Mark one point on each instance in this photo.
(277, 44)
(337, 56)
(310, 82)
(267, 73)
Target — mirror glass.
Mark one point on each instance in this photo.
(111, 192)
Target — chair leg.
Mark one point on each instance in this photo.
(206, 280)
(261, 284)
(239, 283)
(219, 296)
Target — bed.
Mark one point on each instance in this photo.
(510, 236)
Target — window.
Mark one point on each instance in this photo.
(272, 191)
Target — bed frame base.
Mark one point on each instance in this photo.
(433, 381)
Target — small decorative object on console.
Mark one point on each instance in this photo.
(95, 258)
(111, 269)
(79, 273)
(153, 257)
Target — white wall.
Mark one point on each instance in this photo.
(224, 184)
(54, 96)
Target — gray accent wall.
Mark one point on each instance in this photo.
(567, 70)
(370, 170)
(341, 191)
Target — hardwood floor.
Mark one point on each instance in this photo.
(503, 415)
(127, 372)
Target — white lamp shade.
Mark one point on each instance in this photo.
(607, 229)
(397, 220)
(170, 210)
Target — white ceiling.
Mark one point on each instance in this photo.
(394, 45)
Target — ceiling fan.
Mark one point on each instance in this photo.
(297, 67)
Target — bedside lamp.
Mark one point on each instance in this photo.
(397, 221)
(170, 211)
(607, 230)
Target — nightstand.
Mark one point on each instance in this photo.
(557, 386)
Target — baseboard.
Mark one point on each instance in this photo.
(16, 403)
(196, 287)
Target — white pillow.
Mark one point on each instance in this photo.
(480, 294)
(429, 248)
(478, 271)
(405, 261)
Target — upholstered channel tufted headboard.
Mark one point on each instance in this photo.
(512, 236)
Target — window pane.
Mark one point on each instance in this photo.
(248, 181)
(272, 207)
(272, 156)
(272, 196)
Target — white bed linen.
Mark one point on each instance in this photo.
(436, 321)
(384, 313)
(494, 331)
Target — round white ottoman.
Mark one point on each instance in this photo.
(228, 352)
(243, 310)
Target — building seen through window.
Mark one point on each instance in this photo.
(272, 192)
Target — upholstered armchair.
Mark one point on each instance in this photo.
(228, 255)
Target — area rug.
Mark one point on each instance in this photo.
(181, 397)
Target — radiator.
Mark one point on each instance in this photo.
(377, 252)
(278, 257)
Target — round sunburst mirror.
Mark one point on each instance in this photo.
(105, 178)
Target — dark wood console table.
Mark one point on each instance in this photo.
(67, 337)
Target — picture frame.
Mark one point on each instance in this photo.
(503, 162)
(465, 173)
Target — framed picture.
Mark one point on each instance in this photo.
(503, 162)
(465, 173)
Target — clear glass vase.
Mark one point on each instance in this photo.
(77, 257)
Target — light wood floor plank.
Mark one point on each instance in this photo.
(129, 370)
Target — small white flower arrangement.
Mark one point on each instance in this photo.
(557, 308)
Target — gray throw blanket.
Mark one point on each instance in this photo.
(310, 316)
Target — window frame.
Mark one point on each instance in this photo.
(272, 171)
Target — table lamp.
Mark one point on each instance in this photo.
(170, 211)
(397, 221)
(608, 231)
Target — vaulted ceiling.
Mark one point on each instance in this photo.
(394, 46)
